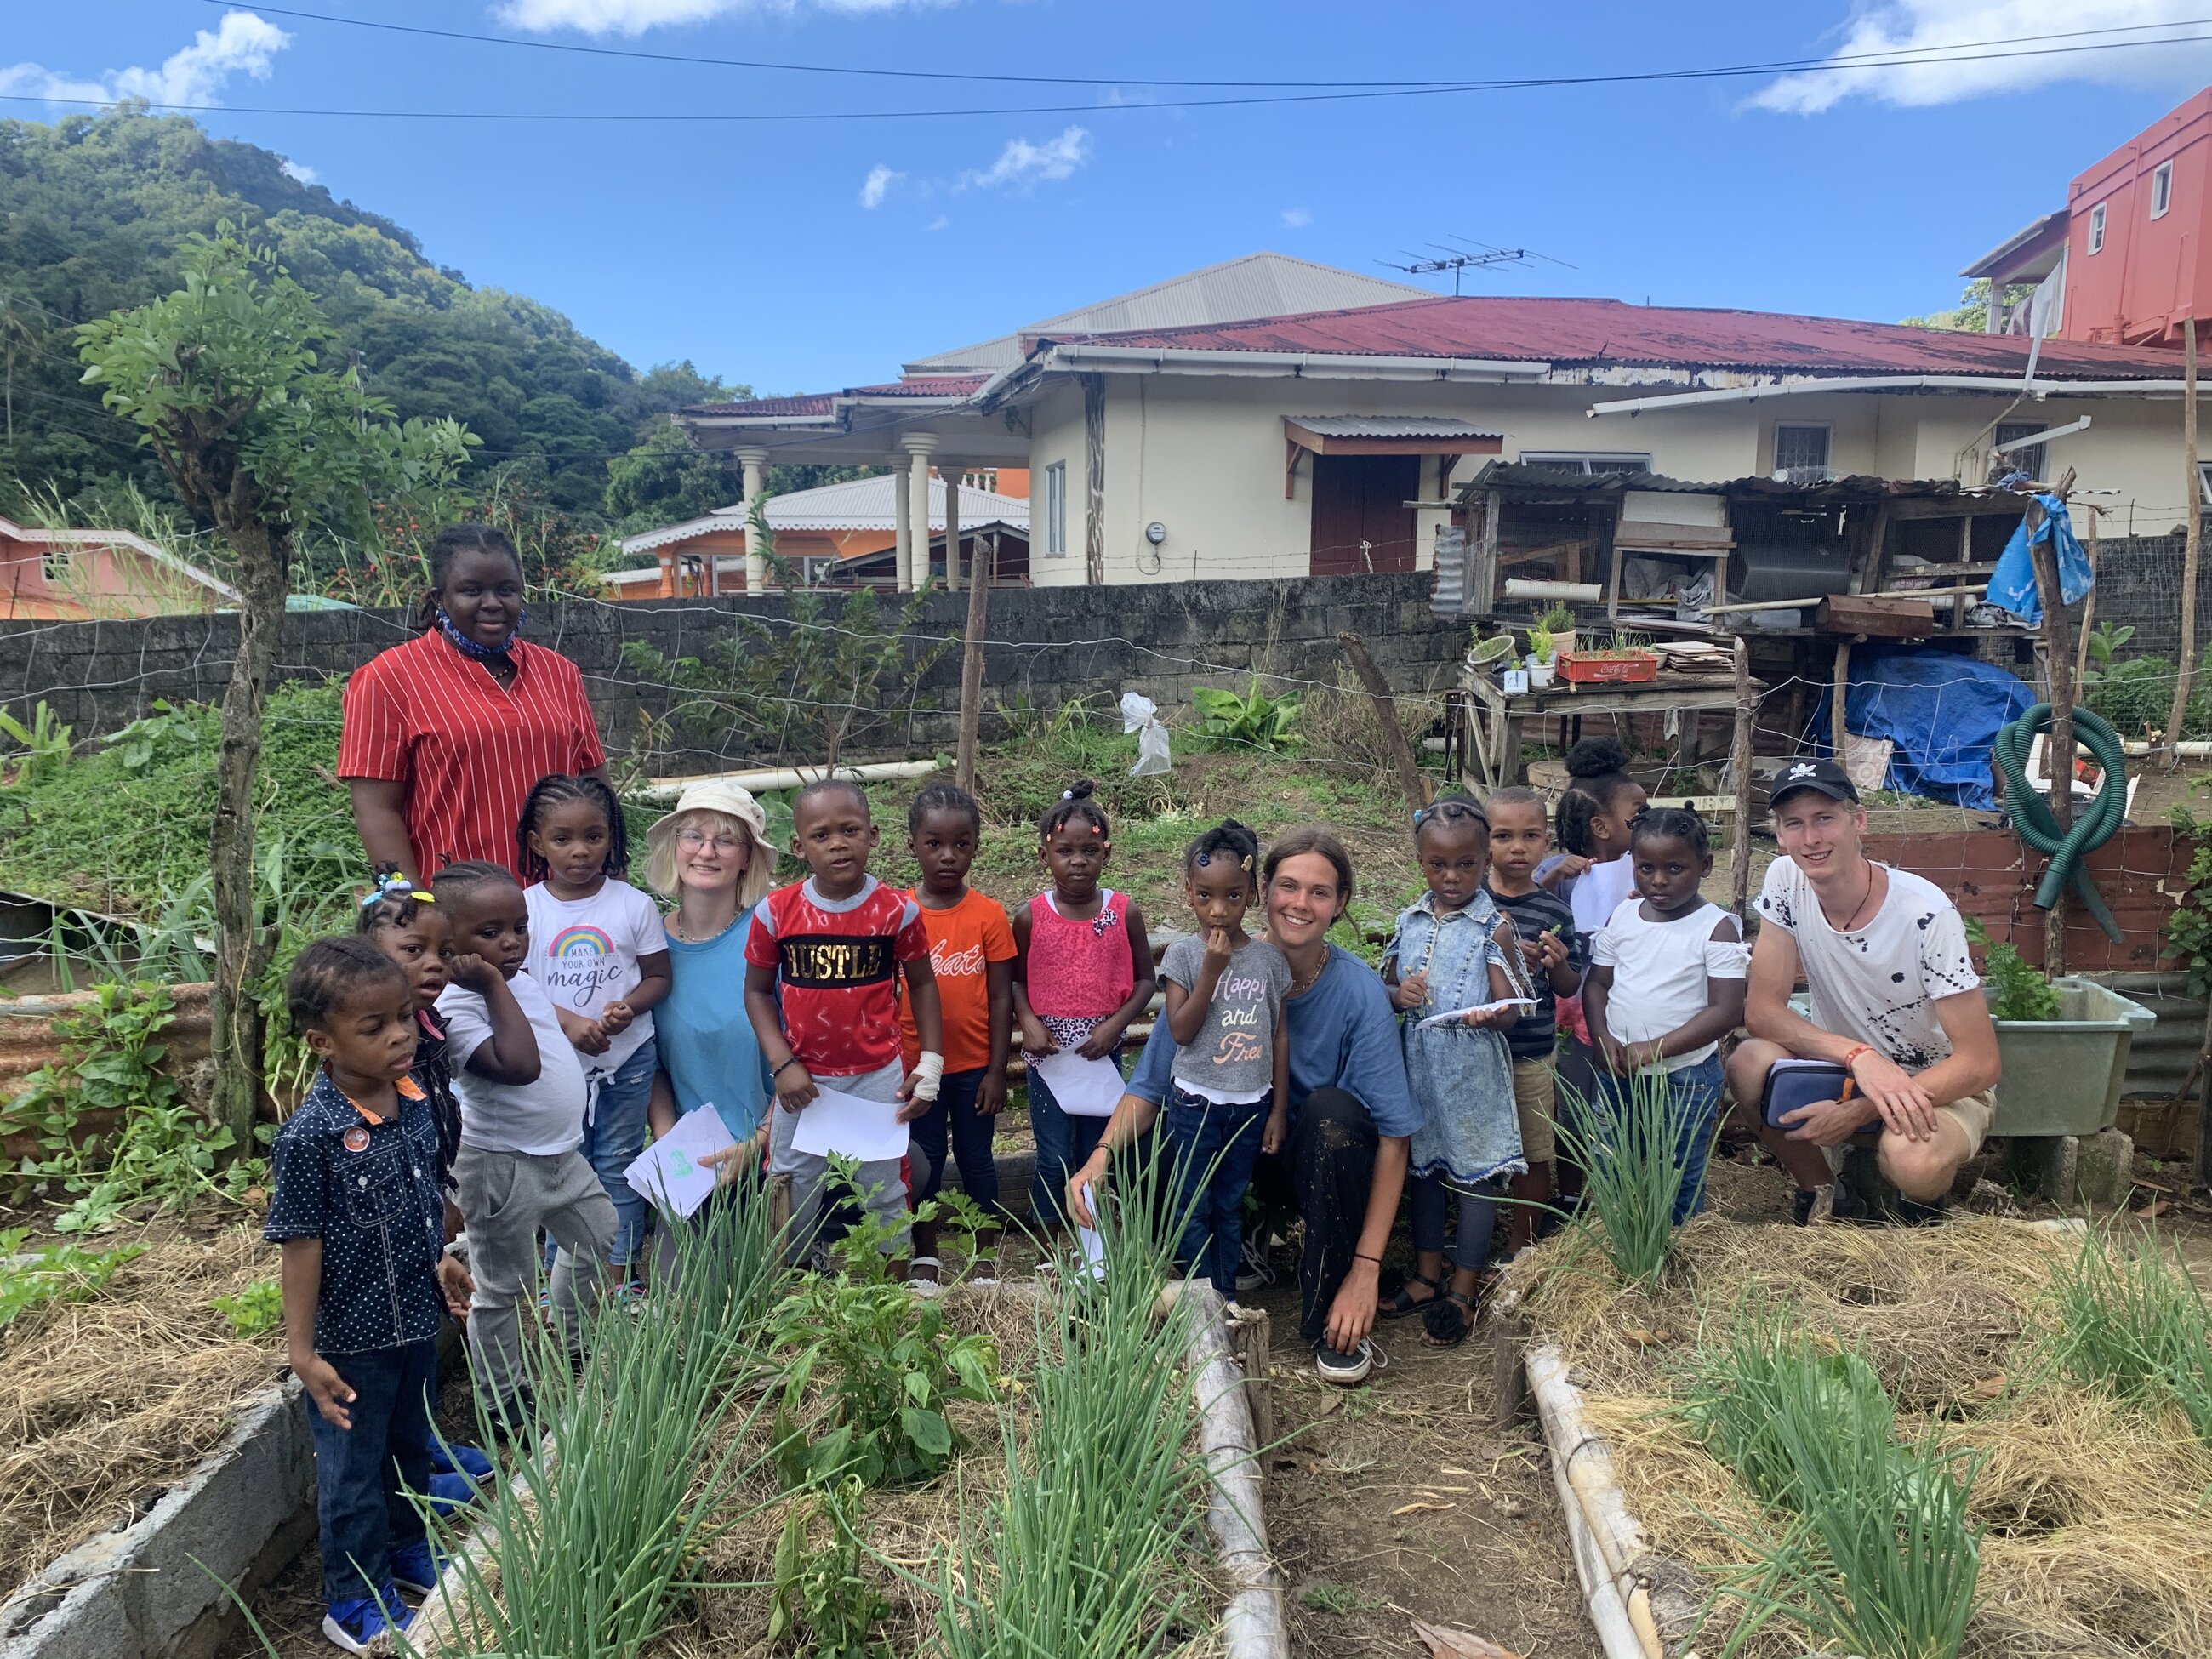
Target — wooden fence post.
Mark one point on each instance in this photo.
(980, 578)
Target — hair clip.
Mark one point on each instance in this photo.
(395, 885)
(1205, 859)
(1068, 794)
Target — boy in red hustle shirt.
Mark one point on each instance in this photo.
(822, 963)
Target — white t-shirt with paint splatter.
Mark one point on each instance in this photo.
(1880, 984)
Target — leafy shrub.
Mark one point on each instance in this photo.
(888, 1364)
(821, 1591)
(160, 1148)
(44, 742)
(1254, 721)
(2135, 695)
(2023, 990)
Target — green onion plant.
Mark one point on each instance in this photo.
(588, 1541)
(2124, 1317)
(1872, 1551)
(1107, 1489)
(1635, 1153)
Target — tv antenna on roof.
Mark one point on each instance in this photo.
(1467, 256)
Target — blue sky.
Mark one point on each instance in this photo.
(811, 256)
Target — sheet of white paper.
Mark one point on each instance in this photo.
(669, 1173)
(867, 1129)
(1458, 1014)
(1094, 1247)
(1083, 1088)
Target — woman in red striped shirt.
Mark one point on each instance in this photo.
(444, 735)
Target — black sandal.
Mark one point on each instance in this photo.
(1447, 1320)
(1400, 1305)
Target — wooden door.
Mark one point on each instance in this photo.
(1360, 519)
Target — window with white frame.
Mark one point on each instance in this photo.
(2161, 189)
(1584, 462)
(55, 565)
(2097, 229)
(2204, 478)
(1800, 448)
(1055, 510)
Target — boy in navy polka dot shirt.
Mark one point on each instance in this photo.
(360, 1216)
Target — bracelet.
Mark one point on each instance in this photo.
(1359, 1256)
(1852, 1057)
(779, 1070)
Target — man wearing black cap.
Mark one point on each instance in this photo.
(1896, 1002)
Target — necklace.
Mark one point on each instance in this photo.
(676, 927)
(1300, 987)
(1851, 921)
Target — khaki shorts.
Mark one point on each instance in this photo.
(1532, 1104)
(1972, 1113)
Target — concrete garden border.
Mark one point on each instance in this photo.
(135, 1593)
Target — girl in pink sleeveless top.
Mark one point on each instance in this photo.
(1083, 970)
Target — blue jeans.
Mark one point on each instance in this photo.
(1432, 1196)
(1696, 1093)
(1212, 1148)
(1064, 1145)
(955, 1108)
(359, 1471)
(613, 1140)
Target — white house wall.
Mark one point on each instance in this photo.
(1203, 456)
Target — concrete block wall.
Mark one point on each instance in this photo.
(1045, 646)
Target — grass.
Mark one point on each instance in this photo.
(1873, 1550)
(1324, 1596)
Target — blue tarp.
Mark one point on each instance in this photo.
(1941, 711)
(2012, 586)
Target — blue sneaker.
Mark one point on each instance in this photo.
(457, 1459)
(364, 1624)
(450, 1492)
(415, 1569)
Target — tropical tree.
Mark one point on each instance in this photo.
(225, 380)
(19, 321)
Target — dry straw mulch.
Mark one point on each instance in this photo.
(104, 1403)
(2098, 1514)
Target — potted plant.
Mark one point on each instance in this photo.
(1627, 661)
(2062, 1043)
(1558, 622)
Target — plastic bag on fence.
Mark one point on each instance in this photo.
(1140, 714)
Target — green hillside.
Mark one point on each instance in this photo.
(93, 211)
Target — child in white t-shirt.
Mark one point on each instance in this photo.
(1666, 983)
(598, 949)
(517, 1173)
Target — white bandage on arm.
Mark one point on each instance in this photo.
(928, 1075)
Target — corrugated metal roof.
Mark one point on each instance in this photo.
(1391, 426)
(825, 402)
(854, 504)
(1530, 480)
(1257, 285)
(2040, 236)
(813, 403)
(1598, 333)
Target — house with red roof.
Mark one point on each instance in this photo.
(1223, 425)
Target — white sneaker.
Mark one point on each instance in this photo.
(1348, 1370)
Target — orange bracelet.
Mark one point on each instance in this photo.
(1851, 1059)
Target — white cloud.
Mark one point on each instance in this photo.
(1297, 218)
(300, 173)
(241, 44)
(938, 223)
(635, 17)
(1021, 163)
(877, 185)
(1886, 25)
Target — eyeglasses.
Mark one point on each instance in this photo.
(692, 840)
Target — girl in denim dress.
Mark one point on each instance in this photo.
(1453, 950)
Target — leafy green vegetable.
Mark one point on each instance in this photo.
(254, 1312)
(58, 1273)
(1255, 720)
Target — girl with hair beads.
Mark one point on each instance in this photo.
(1593, 820)
(597, 948)
(1083, 970)
(1228, 1087)
(1455, 950)
(971, 951)
(1667, 983)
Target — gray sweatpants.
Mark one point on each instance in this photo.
(882, 1182)
(505, 1199)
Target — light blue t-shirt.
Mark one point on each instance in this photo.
(707, 1044)
(1344, 1034)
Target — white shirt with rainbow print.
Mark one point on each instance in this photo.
(584, 953)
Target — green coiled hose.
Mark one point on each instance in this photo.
(2094, 824)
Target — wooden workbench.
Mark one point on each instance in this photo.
(1490, 740)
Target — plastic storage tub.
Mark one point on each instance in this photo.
(2062, 1077)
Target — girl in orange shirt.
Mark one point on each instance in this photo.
(971, 947)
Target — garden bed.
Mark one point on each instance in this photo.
(2089, 1505)
(106, 1402)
